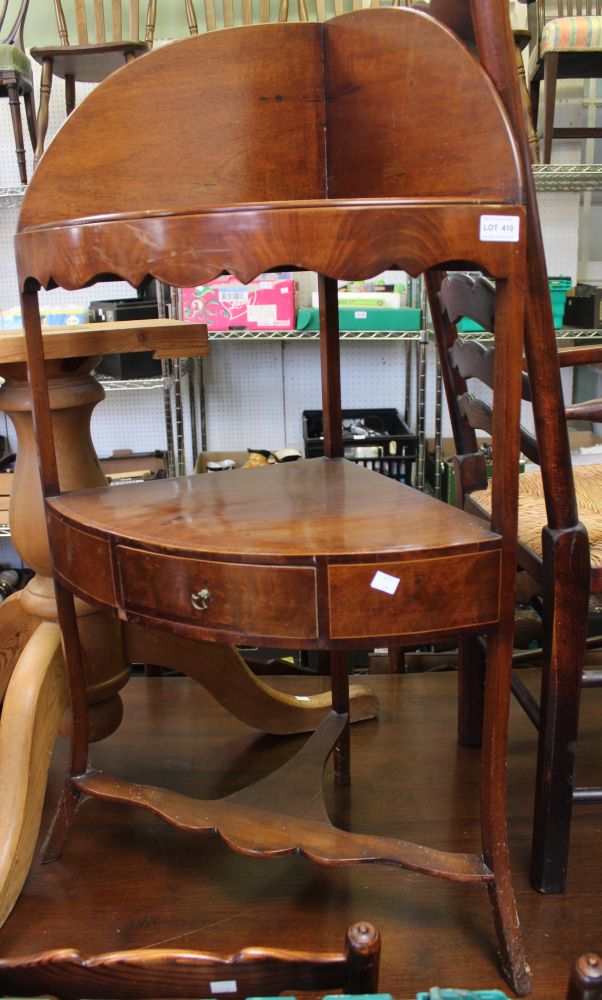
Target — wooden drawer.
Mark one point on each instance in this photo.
(277, 601)
(431, 595)
(84, 561)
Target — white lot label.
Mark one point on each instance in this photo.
(226, 986)
(499, 228)
(385, 582)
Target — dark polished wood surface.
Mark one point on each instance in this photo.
(283, 554)
(284, 513)
(126, 879)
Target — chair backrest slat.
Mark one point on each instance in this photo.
(82, 23)
(134, 20)
(210, 18)
(569, 8)
(251, 12)
(100, 24)
(99, 20)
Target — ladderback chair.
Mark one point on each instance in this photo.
(16, 80)
(152, 972)
(167, 972)
(90, 61)
(564, 540)
(566, 44)
(562, 585)
(318, 554)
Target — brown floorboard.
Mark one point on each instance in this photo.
(126, 879)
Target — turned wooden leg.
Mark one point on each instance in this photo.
(73, 396)
(30, 112)
(42, 124)
(549, 103)
(29, 638)
(12, 88)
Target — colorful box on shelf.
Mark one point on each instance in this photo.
(558, 292)
(363, 300)
(10, 319)
(379, 319)
(225, 304)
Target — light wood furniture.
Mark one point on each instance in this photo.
(221, 14)
(16, 80)
(90, 62)
(298, 553)
(251, 972)
(566, 45)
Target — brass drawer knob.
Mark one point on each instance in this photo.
(200, 599)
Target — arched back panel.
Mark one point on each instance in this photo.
(381, 103)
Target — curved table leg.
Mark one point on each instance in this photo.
(15, 630)
(34, 704)
(222, 670)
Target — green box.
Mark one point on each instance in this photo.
(558, 290)
(365, 319)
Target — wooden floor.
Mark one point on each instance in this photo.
(128, 880)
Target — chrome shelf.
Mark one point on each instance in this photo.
(131, 384)
(567, 176)
(244, 335)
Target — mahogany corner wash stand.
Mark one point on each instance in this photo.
(274, 147)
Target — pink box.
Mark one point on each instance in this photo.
(263, 304)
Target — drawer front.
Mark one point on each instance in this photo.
(84, 561)
(278, 601)
(420, 596)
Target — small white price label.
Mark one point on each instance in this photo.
(385, 582)
(499, 228)
(225, 986)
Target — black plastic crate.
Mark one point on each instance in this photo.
(388, 447)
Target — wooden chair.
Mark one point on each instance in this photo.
(222, 15)
(16, 80)
(564, 541)
(585, 981)
(152, 972)
(89, 62)
(563, 584)
(317, 554)
(566, 45)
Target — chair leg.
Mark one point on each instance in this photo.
(566, 557)
(30, 111)
(471, 691)
(339, 671)
(70, 797)
(549, 98)
(69, 93)
(12, 88)
(42, 125)
(493, 807)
